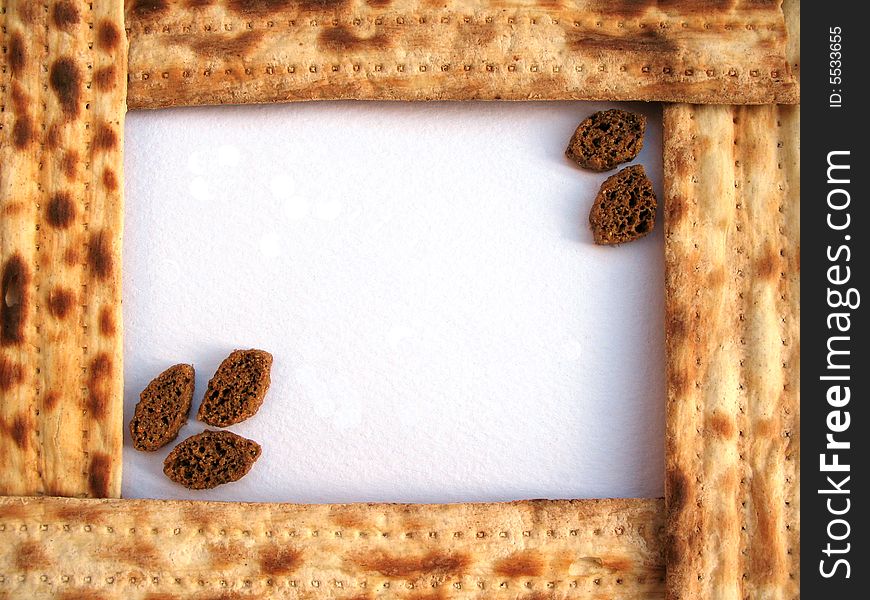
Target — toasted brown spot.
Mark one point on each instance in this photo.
(60, 212)
(31, 557)
(280, 560)
(100, 258)
(52, 137)
(20, 430)
(99, 474)
(342, 39)
(526, 563)
(105, 137)
(716, 278)
(17, 53)
(617, 563)
(51, 400)
(14, 301)
(764, 561)
(347, 519)
(12, 209)
(99, 384)
(411, 567)
(110, 180)
(379, 3)
(767, 265)
(675, 212)
(107, 322)
(29, 12)
(226, 554)
(721, 426)
(268, 6)
(77, 512)
(22, 132)
(60, 302)
(105, 78)
(199, 3)
(764, 428)
(65, 14)
(238, 45)
(11, 374)
(678, 381)
(66, 82)
(71, 257)
(646, 41)
(70, 163)
(108, 35)
(676, 491)
(148, 8)
(20, 98)
(80, 595)
(139, 553)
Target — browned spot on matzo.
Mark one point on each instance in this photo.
(21, 429)
(148, 8)
(52, 136)
(721, 426)
(342, 38)
(526, 563)
(17, 53)
(105, 77)
(238, 45)
(60, 302)
(99, 374)
(99, 473)
(60, 212)
(51, 400)
(108, 35)
(69, 164)
(66, 82)
(280, 560)
(29, 556)
(11, 374)
(14, 301)
(65, 14)
(100, 257)
(110, 180)
(105, 137)
(411, 567)
(71, 256)
(22, 132)
(248, 7)
(107, 322)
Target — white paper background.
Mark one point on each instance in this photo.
(443, 327)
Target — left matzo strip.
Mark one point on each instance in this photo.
(63, 92)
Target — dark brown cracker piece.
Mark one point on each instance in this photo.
(162, 409)
(237, 389)
(625, 207)
(606, 139)
(211, 458)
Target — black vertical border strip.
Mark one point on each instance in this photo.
(826, 129)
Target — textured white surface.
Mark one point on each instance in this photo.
(443, 327)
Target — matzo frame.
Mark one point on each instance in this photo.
(63, 91)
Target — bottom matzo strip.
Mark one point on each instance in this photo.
(149, 548)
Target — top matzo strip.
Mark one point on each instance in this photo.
(256, 51)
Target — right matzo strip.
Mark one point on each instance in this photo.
(254, 51)
(592, 549)
(732, 230)
(63, 94)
